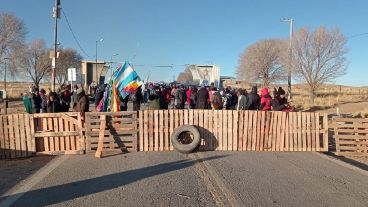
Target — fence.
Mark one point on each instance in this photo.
(120, 131)
(16, 136)
(237, 130)
(351, 136)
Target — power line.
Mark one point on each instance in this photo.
(358, 35)
(71, 30)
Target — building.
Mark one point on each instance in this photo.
(93, 71)
(226, 81)
(205, 74)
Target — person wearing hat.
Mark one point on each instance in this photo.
(53, 105)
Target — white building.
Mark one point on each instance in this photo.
(205, 74)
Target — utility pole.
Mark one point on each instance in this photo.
(56, 15)
(291, 21)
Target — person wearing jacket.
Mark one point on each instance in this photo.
(137, 98)
(53, 105)
(189, 93)
(265, 100)
(83, 102)
(36, 102)
(44, 101)
(202, 98)
(181, 98)
(154, 97)
(242, 100)
(253, 99)
(193, 98)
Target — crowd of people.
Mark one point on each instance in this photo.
(65, 100)
(180, 97)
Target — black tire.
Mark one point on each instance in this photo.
(177, 140)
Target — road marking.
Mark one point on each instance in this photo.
(19, 190)
(342, 163)
(224, 198)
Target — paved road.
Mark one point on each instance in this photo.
(201, 179)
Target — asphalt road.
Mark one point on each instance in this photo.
(200, 179)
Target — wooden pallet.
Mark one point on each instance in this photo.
(120, 132)
(229, 130)
(351, 136)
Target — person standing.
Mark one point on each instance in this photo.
(53, 105)
(181, 98)
(193, 98)
(189, 93)
(36, 102)
(27, 102)
(265, 100)
(83, 102)
(242, 100)
(137, 98)
(44, 99)
(202, 98)
(253, 99)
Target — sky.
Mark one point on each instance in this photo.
(149, 33)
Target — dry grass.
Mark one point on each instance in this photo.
(14, 89)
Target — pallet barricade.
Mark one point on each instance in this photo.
(351, 136)
(120, 133)
(59, 133)
(229, 130)
(16, 136)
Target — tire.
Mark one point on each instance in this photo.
(177, 142)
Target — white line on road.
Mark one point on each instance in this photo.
(19, 190)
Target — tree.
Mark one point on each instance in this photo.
(33, 60)
(185, 77)
(12, 34)
(68, 58)
(263, 62)
(318, 57)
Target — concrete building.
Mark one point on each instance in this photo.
(93, 72)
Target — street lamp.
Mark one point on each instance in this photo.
(291, 21)
(97, 41)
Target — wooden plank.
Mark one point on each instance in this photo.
(291, 131)
(201, 131)
(82, 139)
(67, 138)
(274, 130)
(23, 135)
(135, 138)
(156, 130)
(262, 132)
(181, 119)
(161, 130)
(226, 130)
(282, 133)
(141, 131)
(56, 134)
(220, 129)
(186, 117)
(216, 129)
(56, 129)
(300, 138)
(73, 139)
(287, 133)
(318, 144)
(241, 130)
(258, 133)
(17, 135)
(308, 132)
(304, 134)
(205, 130)
(235, 129)
(167, 126)
(266, 131)
(313, 132)
(211, 137)
(246, 130)
(101, 136)
(150, 130)
(295, 131)
(32, 149)
(61, 129)
(6, 136)
(11, 136)
(2, 138)
(325, 130)
(254, 130)
(171, 113)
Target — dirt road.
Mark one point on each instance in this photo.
(201, 179)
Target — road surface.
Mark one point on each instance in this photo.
(199, 179)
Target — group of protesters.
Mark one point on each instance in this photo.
(180, 97)
(41, 101)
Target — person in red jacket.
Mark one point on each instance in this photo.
(265, 100)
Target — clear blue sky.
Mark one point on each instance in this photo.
(182, 32)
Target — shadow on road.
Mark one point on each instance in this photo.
(69, 191)
(349, 161)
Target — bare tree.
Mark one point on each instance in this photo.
(319, 56)
(34, 61)
(185, 77)
(68, 58)
(263, 62)
(12, 34)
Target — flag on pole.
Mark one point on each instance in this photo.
(127, 80)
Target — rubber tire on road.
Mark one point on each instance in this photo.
(185, 148)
